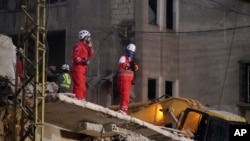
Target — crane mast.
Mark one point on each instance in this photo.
(32, 39)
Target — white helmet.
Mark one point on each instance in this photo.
(65, 67)
(131, 47)
(83, 33)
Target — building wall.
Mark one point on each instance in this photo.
(122, 10)
(9, 22)
(199, 55)
(210, 47)
(57, 16)
(157, 52)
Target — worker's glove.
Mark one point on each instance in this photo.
(133, 66)
(136, 67)
(86, 61)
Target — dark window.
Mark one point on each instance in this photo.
(151, 88)
(220, 134)
(244, 80)
(168, 89)
(3, 4)
(56, 47)
(9, 5)
(152, 12)
(169, 14)
(54, 1)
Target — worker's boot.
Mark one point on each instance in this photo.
(122, 112)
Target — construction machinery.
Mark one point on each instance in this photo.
(173, 118)
(197, 121)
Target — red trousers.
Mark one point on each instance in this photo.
(79, 84)
(124, 87)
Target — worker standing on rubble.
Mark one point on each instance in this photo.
(51, 73)
(64, 79)
(83, 50)
(126, 69)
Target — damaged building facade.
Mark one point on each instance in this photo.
(184, 48)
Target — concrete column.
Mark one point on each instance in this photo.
(159, 87)
(160, 14)
(176, 88)
(176, 6)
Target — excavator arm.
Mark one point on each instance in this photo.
(163, 112)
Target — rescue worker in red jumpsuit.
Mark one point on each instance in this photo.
(82, 52)
(126, 69)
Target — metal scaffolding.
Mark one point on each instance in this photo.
(32, 40)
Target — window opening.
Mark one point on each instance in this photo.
(152, 12)
(169, 19)
(168, 89)
(151, 88)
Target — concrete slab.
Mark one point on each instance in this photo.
(69, 113)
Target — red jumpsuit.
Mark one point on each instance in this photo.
(125, 78)
(80, 53)
(19, 68)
